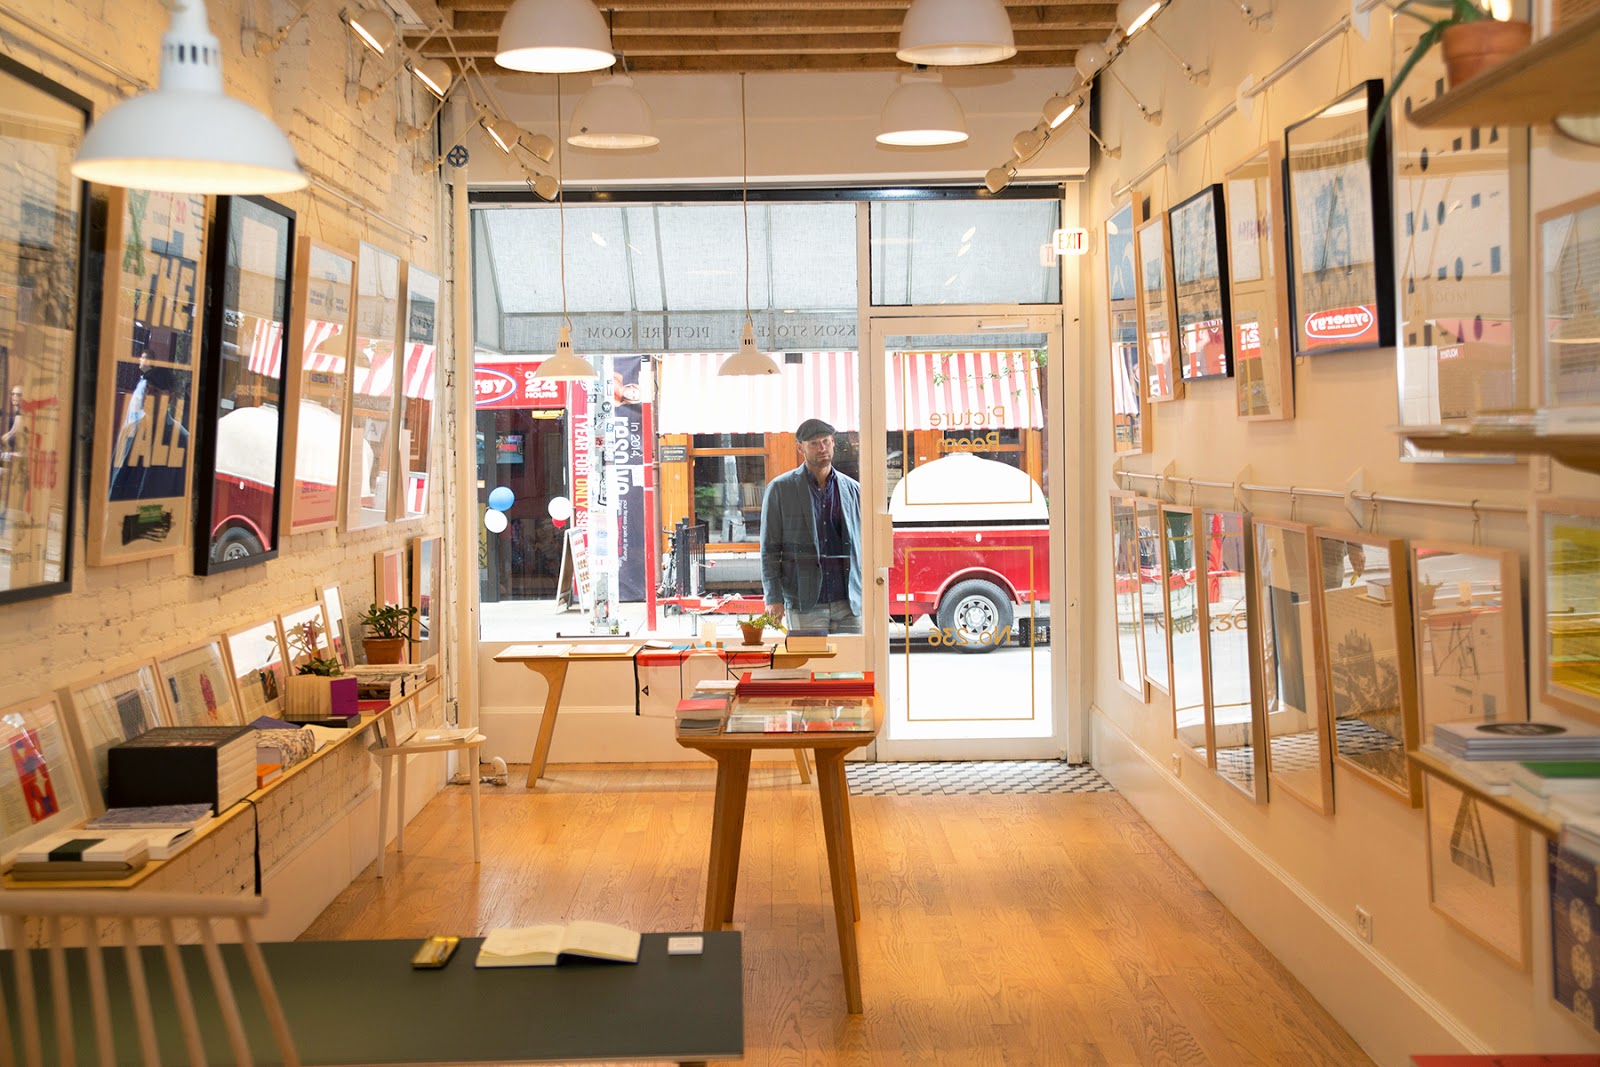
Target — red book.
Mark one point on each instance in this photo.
(702, 704)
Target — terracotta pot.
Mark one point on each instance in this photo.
(752, 634)
(1473, 47)
(386, 649)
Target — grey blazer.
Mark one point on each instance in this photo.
(791, 572)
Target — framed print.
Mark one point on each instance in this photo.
(1200, 287)
(43, 272)
(1258, 286)
(1288, 637)
(240, 440)
(141, 473)
(1152, 592)
(38, 779)
(335, 625)
(304, 633)
(1569, 641)
(316, 387)
(1129, 434)
(419, 372)
(1187, 650)
(1569, 320)
(1364, 586)
(372, 390)
(107, 711)
(389, 576)
(1339, 246)
(427, 566)
(1468, 607)
(198, 687)
(1125, 578)
(1478, 869)
(1232, 684)
(1156, 316)
(258, 666)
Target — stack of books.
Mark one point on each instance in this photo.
(1519, 741)
(800, 682)
(806, 641)
(214, 765)
(702, 713)
(81, 854)
(1564, 786)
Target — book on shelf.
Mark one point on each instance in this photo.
(1518, 740)
(805, 641)
(802, 682)
(814, 713)
(699, 726)
(152, 817)
(702, 707)
(213, 765)
(441, 734)
(87, 854)
(544, 946)
(715, 685)
(267, 773)
(278, 741)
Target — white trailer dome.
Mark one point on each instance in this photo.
(962, 487)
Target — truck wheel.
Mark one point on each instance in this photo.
(977, 613)
(235, 544)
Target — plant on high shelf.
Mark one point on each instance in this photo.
(388, 631)
(303, 640)
(1473, 37)
(752, 627)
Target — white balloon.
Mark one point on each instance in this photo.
(494, 521)
(560, 508)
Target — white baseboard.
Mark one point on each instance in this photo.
(583, 735)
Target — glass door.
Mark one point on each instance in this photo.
(966, 536)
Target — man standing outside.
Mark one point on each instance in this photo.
(811, 540)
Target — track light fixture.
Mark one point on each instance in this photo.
(1091, 60)
(1027, 144)
(999, 177)
(538, 146)
(544, 186)
(374, 27)
(434, 74)
(503, 133)
(1134, 15)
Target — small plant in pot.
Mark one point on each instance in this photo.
(753, 626)
(388, 631)
(303, 641)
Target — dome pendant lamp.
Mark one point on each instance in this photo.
(554, 37)
(612, 115)
(956, 33)
(188, 136)
(565, 365)
(922, 112)
(749, 361)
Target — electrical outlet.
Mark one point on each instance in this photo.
(1364, 924)
(1177, 765)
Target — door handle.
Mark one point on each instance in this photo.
(883, 576)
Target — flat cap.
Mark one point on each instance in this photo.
(813, 428)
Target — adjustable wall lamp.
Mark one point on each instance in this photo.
(999, 177)
(256, 43)
(1197, 77)
(375, 28)
(434, 74)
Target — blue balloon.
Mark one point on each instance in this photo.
(501, 498)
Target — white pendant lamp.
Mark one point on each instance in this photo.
(922, 112)
(1132, 15)
(188, 136)
(749, 361)
(613, 115)
(956, 33)
(554, 37)
(565, 365)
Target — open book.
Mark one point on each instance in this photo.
(543, 946)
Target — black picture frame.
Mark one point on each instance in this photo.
(1338, 235)
(239, 424)
(44, 353)
(1200, 286)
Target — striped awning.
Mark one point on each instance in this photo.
(377, 378)
(960, 387)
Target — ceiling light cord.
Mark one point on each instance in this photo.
(561, 205)
(744, 193)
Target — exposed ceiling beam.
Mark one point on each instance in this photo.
(862, 20)
(757, 5)
(702, 63)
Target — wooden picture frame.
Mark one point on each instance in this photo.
(1292, 670)
(335, 625)
(106, 711)
(239, 443)
(1130, 430)
(1479, 869)
(420, 363)
(38, 776)
(1199, 235)
(1187, 653)
(1568, 659)
(389, 577)
(1157, 320)
(1235, 720)
(1468, 624)
(198, 686)
(44, 274)
(142, 472)
(295, 621)
(1258, 287)
(427, 571)
(1364, 586)
(1125, 595)
(316, 392)
(1152, 592)
(371, 435)
(1339, 247)
(1568, 249)
(259, 666)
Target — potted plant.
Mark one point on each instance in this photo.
(388, 631)
(753, 626)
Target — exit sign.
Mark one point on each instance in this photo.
(1073, 242)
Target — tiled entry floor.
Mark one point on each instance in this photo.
(970, 778)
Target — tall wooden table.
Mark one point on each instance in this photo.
(732, 753)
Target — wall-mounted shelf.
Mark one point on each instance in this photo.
(1543, 822)
(1553, 76)
(1579, 451)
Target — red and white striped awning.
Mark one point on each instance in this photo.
(319, 333)
(1002, 387)
(266, 349)
(377, 378)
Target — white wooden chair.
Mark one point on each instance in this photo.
(87, 910)
(398, 740)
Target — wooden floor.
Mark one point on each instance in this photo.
(1051, 929)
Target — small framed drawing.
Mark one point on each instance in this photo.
(1152, 592)
(1478, 869)
(1364, 586)
(257, 662)
(316, 387)
(1125, 579)
(43, 354)
(1340, 248)
(389, 576)
(372, 380)
(1129, 434)
(1234, 717)
(305, 635)
(39, 789)
(1569, 285)
(1288, 635)
(199, 687)
(1200, 286)
(1187, 653)
(1158, 322)
(1468, 607)
(238, 458)
(334, 624)
(142, 468)
(420, 371)
(1569, 565)
(426, 572)
(1258, 285)
(107, 711)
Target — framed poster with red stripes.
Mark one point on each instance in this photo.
(239, 433)
(316, 387)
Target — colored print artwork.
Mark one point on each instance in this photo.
(33, 772)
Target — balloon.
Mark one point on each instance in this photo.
(558, 523)
(501, 498)
(560, 508)
(494, 521)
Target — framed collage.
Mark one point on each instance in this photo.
(1258, 286)
(316, 387)
(1129, 432)
(1200, 286)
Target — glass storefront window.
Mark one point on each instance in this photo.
(965, 252)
